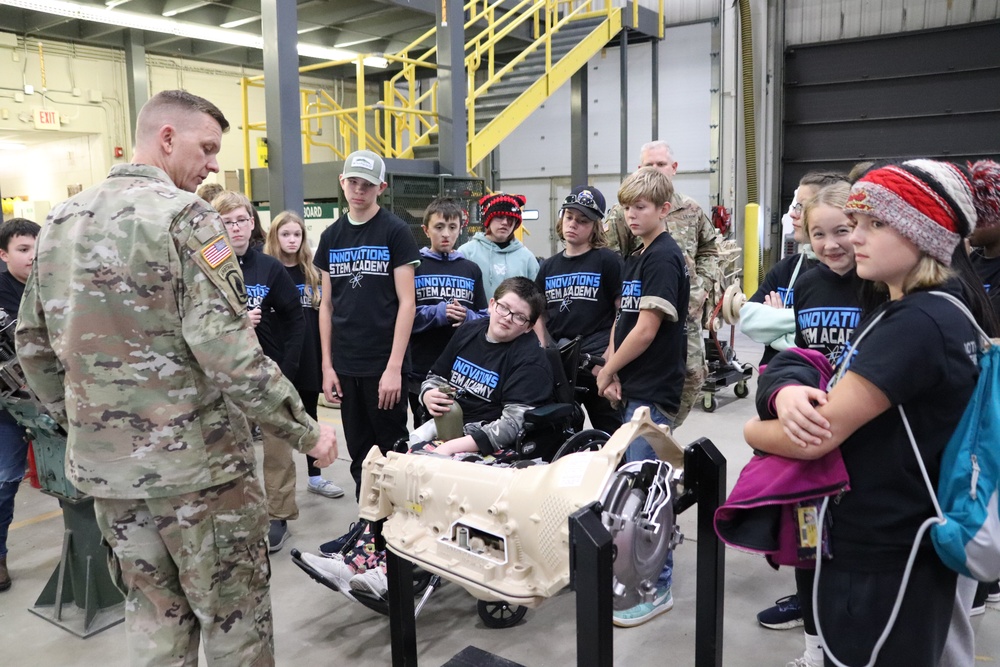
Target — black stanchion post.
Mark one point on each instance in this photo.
(705, 471)
(402, 623)
(590, 568)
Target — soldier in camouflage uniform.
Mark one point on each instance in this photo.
(133, 332)
(696, 236)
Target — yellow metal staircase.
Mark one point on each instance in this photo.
(504, 88)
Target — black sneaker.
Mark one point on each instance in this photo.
(784, 615)
(277, 535)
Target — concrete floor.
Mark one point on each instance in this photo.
(316, 626)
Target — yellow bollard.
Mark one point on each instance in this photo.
(751, 248)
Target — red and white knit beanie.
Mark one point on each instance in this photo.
(502, 204)
(931, 203)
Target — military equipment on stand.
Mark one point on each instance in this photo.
(81, 596)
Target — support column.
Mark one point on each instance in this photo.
(655, 86)
(579, 129)
(136, 78)
(281, 105)
(623, 120)
(453, 134)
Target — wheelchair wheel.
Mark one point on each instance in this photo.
(585, 441)
(500, 614)
(741, 390)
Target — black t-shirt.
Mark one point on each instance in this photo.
(779, 279)
(360, 260)
(988, 269)
(827, 310)
(11, 291)
(580, 293)
(441, 279)
(922, 355)
(309, 376)
(494, 374)
(281, 323)
(658, 273)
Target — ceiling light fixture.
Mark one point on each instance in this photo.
(174, 10)
(238, 22)
(136, 21)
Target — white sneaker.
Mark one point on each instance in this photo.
(372, 581)
(333, 568)
(325, 487)
(804, 661)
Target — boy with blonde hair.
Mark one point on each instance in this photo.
(648, 348)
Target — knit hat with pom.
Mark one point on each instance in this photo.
(502, 204)
(933, 204)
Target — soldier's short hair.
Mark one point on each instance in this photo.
(646, 183)
(17, 227)
(228, 200)
(656, 143)
(179, 100)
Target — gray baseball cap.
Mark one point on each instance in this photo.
(366, 165)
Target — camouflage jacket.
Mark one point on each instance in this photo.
(693, 232)
(133, 333)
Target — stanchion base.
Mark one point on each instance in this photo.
(471, 656)
(74, 619)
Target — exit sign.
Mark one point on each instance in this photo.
(46, 119)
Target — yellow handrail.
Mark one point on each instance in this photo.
(405, 110)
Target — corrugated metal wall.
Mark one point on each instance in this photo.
(687, 11)
(810, 21)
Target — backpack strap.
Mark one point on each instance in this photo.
(938, 518)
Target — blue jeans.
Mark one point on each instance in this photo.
(640, 450)
(13, 458)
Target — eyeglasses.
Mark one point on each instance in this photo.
(585, 198)
(238, 222)
(504, 311)
(797, 207)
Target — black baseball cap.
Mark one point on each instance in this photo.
(587, 200)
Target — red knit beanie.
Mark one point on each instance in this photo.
(931, 203)
(502, 204)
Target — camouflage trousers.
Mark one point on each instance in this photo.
(695, 372)
(194, 566)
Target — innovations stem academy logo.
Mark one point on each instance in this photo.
(356, 263)
(476, 380)
(443, 287)
(565, 288)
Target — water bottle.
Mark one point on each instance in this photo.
(449, 425)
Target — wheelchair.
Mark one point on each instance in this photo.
(549, 433)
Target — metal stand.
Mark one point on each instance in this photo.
(81, 578)
(590, 567)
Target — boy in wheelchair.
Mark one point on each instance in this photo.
(496, 372)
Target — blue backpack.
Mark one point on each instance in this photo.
(967, 539)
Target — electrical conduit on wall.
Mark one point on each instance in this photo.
(752, 271)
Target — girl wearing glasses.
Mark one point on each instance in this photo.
(273, 308)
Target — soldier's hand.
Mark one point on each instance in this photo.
(325, 451)
(254, 316)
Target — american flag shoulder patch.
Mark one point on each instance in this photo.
(217, 251)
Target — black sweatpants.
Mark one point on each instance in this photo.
(854, 607)
(310, 401)
(364, 424)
